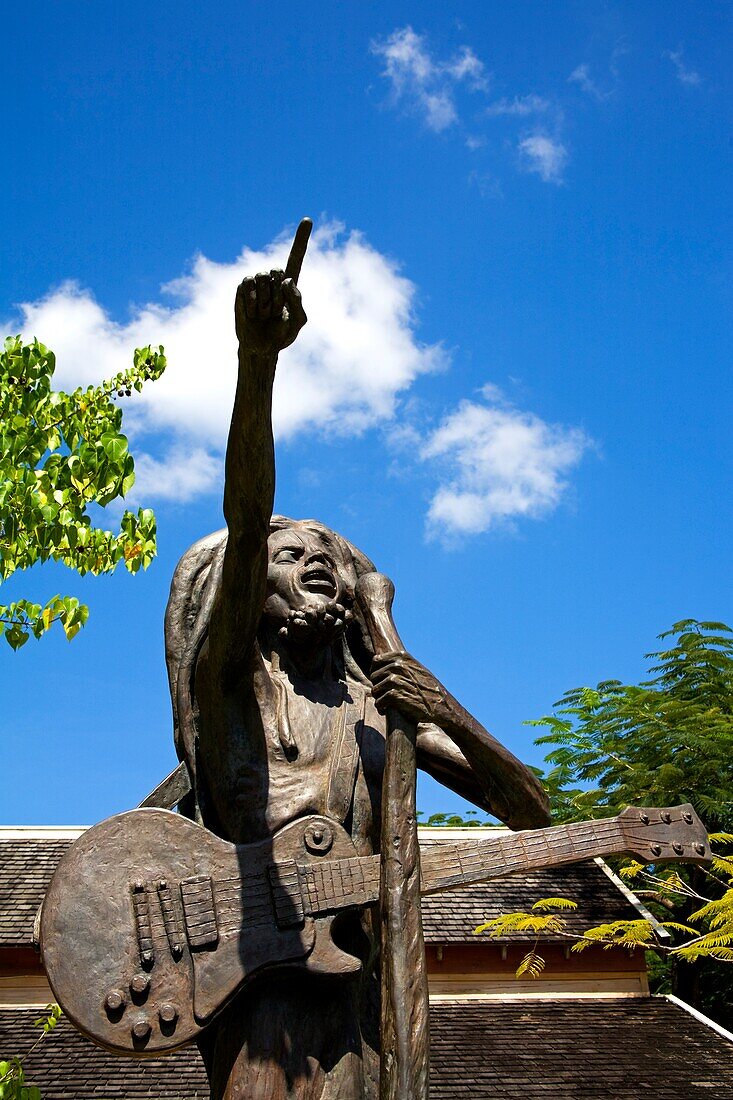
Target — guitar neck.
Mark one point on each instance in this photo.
(447, 865)
(336, 884)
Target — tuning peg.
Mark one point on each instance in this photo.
(656, 849)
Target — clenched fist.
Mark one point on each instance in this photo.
(268, 312)
(399, 681)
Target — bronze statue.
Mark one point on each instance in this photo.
(279, 705)
(299, 720)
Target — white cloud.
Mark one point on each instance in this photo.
(685, 74)
(519, 107)
(467, 66)
(344, 373)
(581, 76)
(350, 369)
(429, 87)
(181, 475)
(423, 83)
(498, 463)
(545, 156)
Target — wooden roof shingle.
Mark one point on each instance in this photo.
(586, 1049)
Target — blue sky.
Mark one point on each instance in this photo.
(514, 389)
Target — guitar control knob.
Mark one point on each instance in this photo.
(141, 1028)
(114, 1001)
(140, 984)
(168, 1013)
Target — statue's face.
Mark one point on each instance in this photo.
(301, 573)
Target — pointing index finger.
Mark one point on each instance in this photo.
(297, 252)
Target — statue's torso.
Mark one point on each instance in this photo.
(269, 749)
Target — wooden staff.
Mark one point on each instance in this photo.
(405, 1052)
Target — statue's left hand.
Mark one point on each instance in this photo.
(399, 681)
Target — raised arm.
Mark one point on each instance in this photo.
(455, 748)
(268, 315)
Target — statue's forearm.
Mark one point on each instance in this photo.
(249, 493)
(454, 746)
(249, 488)
(514, 792)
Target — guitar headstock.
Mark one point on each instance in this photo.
(672, 833)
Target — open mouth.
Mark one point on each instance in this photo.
(319, 580)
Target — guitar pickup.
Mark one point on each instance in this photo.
(171, 919)
(286, 894)
(199, 911)
(143, 927)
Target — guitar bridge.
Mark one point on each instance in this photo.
(199, 911)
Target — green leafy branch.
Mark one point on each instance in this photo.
(666, 740)
(708, 931)
(12, 1074)
(59, 453)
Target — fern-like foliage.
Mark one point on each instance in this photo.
(618, 933)
(666, 740)
(531, 965)
(708, 934)
(554, 903)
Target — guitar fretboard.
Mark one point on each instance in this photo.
(335, 884)
(447, 865)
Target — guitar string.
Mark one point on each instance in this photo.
(483, 857)
(547, 839)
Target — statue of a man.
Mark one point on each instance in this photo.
(279, 708)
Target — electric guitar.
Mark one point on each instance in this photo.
(151, 923)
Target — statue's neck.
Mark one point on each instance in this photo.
(315, 661)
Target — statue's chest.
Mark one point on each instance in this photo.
(307, 727)
(319, 747)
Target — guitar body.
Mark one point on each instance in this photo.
(151, 924)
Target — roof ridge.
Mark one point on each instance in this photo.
(697, 1014)
(41, 832)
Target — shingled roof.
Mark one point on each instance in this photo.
(585, 1049)
(27, 863)
(67, 1066)
(590, 1049)
(26, 867)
